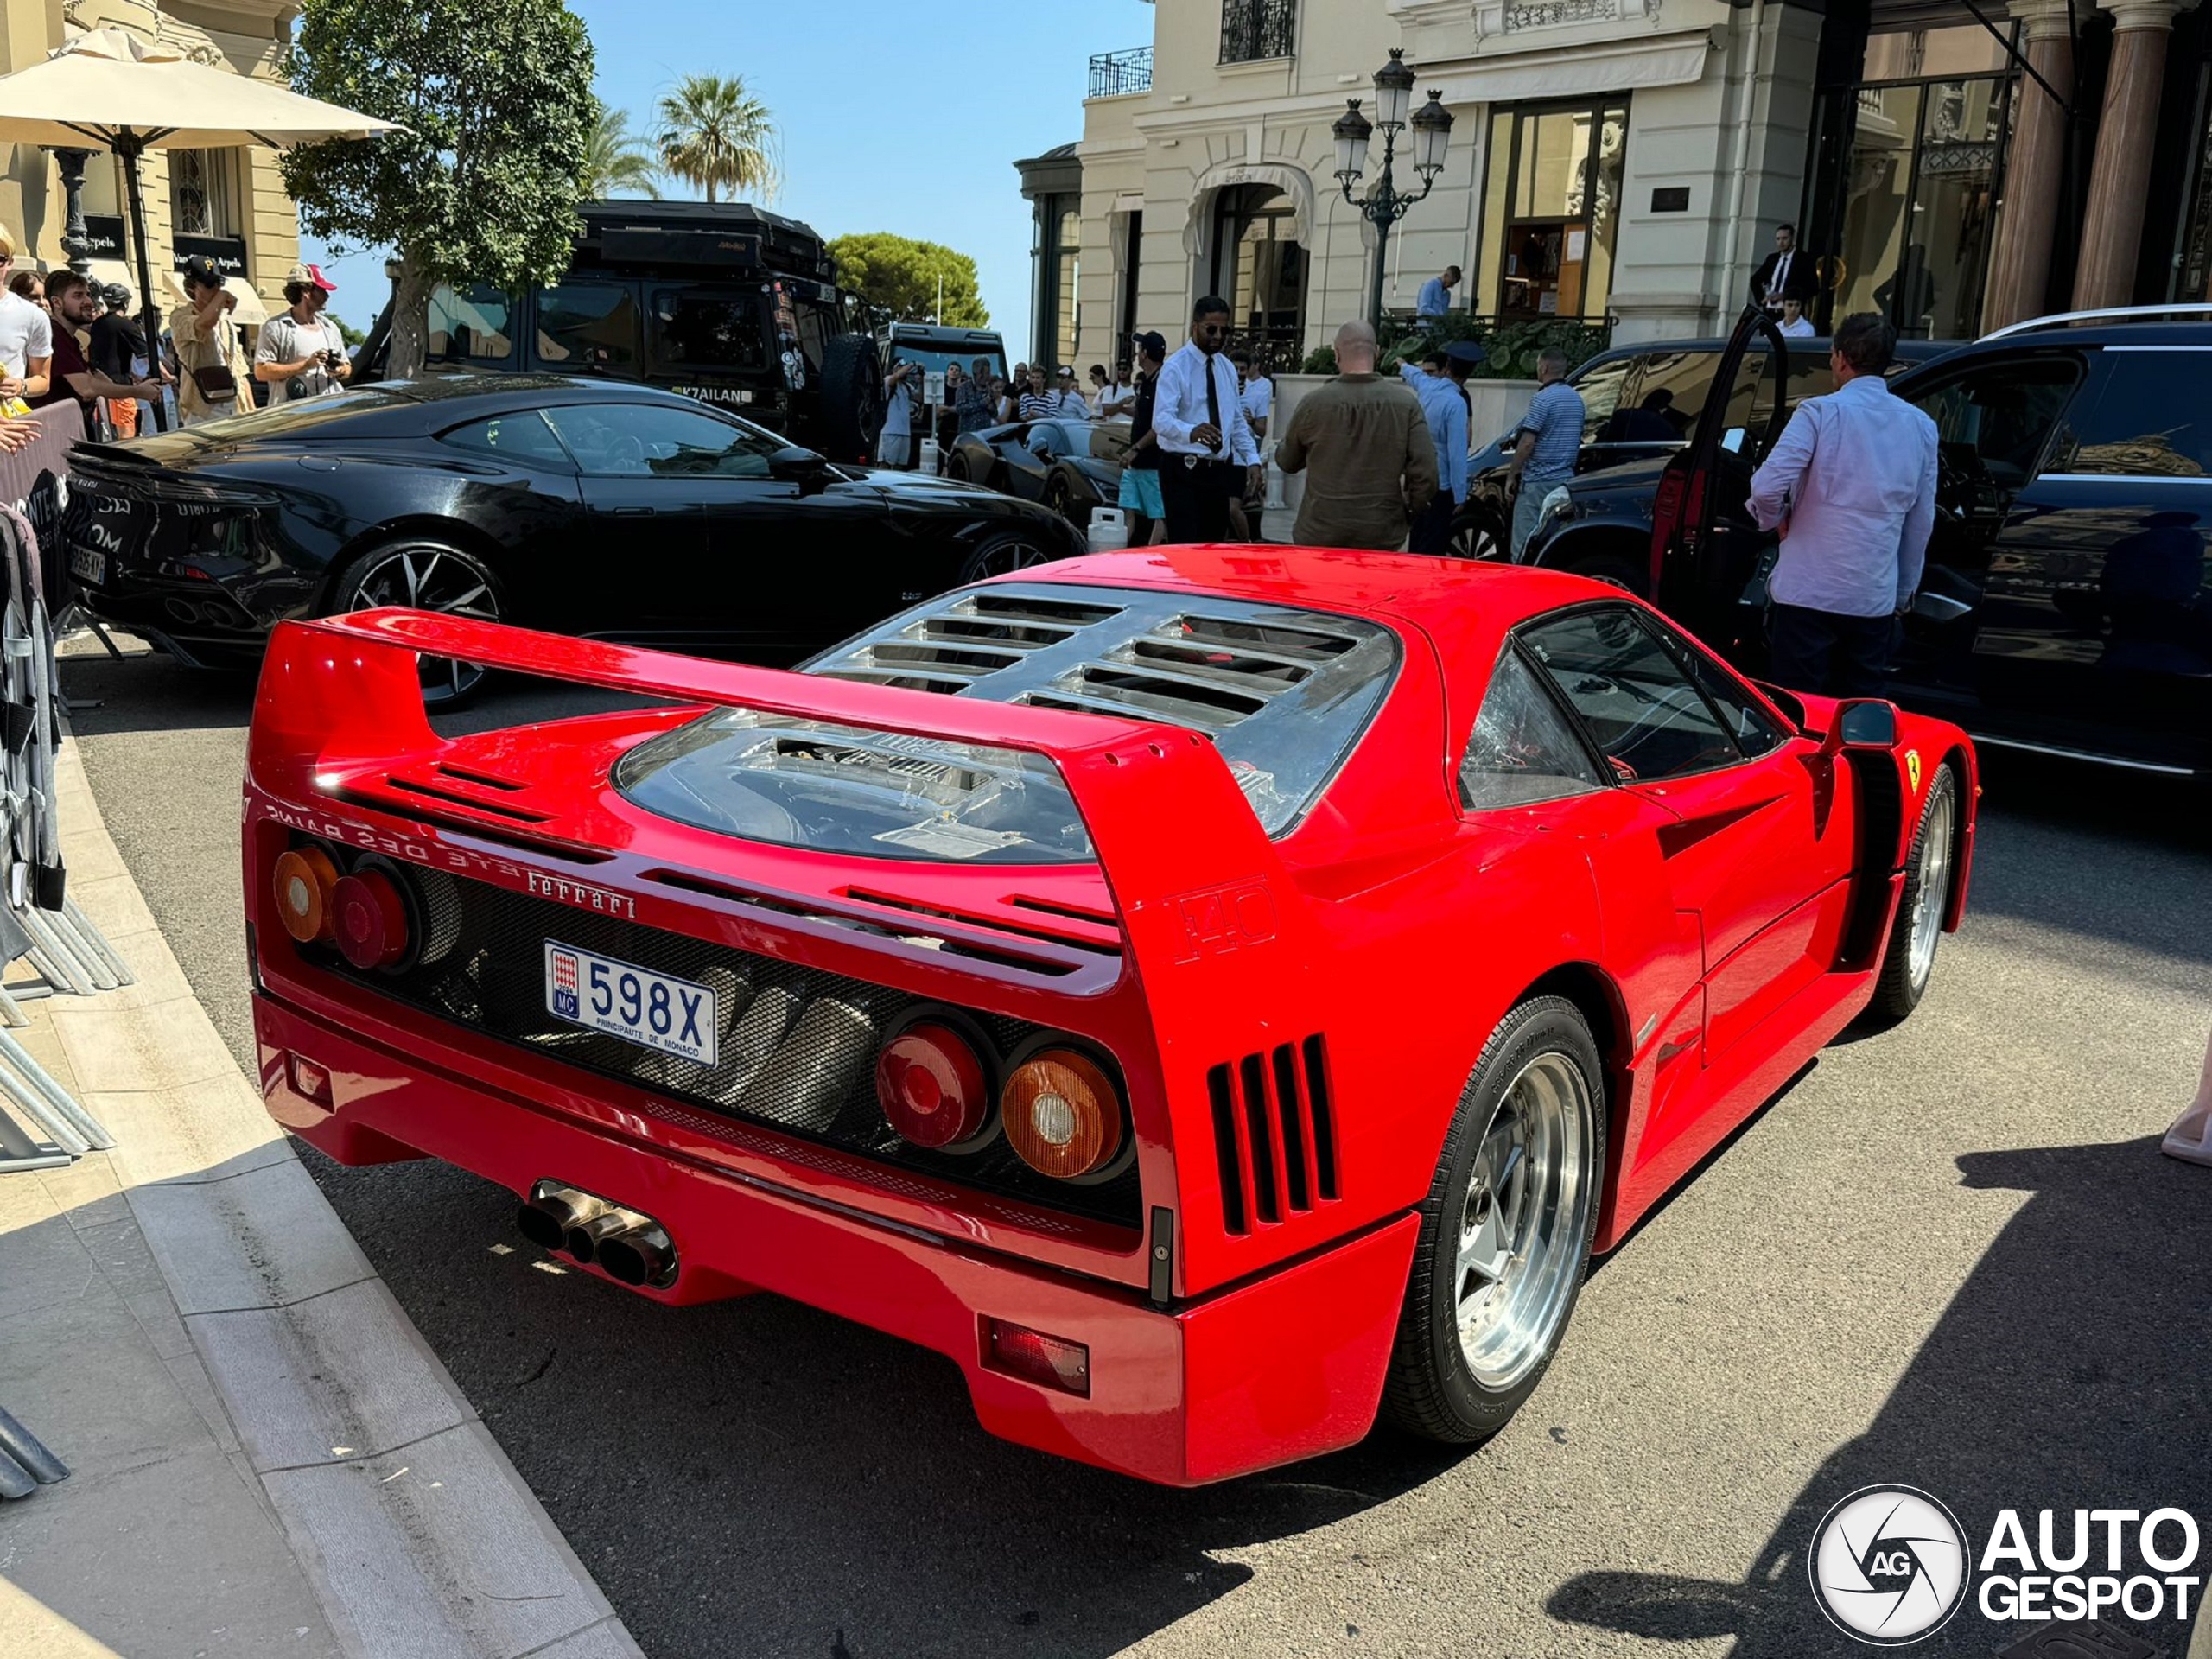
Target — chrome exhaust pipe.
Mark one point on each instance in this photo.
(582, 1243)
(638, 1256)
(553, 1210)
(626, 1245)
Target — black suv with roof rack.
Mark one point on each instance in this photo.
(2067, 603)
(719, 301)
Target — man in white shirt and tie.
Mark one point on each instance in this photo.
(1782, 274)
(1206, 451)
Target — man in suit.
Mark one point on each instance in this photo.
(1784, 274)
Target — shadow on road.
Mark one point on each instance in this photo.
(2066, 1373)
(788, 1481)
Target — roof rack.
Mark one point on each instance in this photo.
(2109, 314)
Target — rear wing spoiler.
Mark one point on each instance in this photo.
(1191, 870)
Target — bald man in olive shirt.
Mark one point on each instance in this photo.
(1364, 448)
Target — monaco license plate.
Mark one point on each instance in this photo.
(88, 564)
(655, 1011)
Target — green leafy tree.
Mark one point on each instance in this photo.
(482, 186)
(710, 132)
(902, 276)
(616, 160)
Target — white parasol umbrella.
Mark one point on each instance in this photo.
(131, 95)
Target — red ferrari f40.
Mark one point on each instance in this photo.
(1214, 995)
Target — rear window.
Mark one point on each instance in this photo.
(1284, 694)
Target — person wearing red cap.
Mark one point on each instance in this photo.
(300, 354)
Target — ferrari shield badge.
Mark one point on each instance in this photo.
(1912, 768)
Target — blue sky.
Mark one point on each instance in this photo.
(894, 117)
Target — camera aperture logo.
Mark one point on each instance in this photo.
(1889, 1565)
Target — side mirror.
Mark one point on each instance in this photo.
(1862, 723)
(796, 465)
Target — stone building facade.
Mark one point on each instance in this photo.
(229, 204)
(1627, 163)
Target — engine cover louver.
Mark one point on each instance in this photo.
(1274, 1134)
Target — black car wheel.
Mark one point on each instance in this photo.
(956, 467)
(426, 575)
(1009, 549)
(1475, 535)
(1061, 499)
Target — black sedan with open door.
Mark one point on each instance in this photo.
(581, 508)
(2066, 606)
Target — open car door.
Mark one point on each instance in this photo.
(1705, 549)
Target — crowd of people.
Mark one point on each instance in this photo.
(64, 336)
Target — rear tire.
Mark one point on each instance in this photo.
(1505, 1230)
(1909, 962)
(430, 574)
(956, 467)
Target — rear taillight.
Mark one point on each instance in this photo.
(305, 877)
(1666, 513)
(1062, 1115)
(931, 1083)
(370, 919)
(1050, 1361)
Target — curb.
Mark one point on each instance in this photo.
(414, 1531)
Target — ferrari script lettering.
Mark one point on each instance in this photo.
(582, 896)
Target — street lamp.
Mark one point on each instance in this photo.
(1385, 206)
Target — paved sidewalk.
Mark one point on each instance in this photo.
(265, 1456)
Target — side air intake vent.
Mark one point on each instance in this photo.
(1274, 1134)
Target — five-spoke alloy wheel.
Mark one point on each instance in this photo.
(426, 575)
(1505, 1230)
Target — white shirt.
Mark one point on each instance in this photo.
(1181, 404)
(285, 339)
(26, 332)
(1801, 329)
(898, 407)
(1114, 398)
(1853, 479)
(1258, 398)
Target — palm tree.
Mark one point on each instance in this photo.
(616, 160)
(711, 132)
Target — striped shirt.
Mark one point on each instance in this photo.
(1555, 417)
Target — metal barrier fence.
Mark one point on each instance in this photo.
(41, 1125)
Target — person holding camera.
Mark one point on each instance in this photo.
(209, 355)
(301, 354)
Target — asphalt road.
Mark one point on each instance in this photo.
(1947, 1256)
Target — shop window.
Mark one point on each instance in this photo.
(1551, 210)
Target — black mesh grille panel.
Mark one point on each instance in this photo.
(796, 1046)
(1275, 1137)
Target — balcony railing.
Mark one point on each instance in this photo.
(1252, 30)
(1113, 74)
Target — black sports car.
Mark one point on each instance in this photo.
(569, 505)
(1071, 466)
